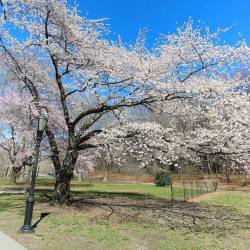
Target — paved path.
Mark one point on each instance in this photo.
(6, 243)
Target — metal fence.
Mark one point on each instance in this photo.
(191, 189)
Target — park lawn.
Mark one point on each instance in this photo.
(89, 227)
(133, 190)
(234, 199)
(148, 190)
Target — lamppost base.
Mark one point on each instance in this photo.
(26, 229)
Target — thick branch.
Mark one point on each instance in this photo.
(106, 107)
(58, 77)
(87, 146)
(89, 135)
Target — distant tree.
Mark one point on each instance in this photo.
(16, 137)
(211, 130)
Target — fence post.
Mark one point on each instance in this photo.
(172, 194)
(184, 191)
(192, 191)
(206, 187)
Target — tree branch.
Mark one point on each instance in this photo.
(106, 107)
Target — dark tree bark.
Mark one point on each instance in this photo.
(64, 175)
(14, 175)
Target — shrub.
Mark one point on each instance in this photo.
(162, 178)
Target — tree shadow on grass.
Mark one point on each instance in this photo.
(145, 209)
(10, 201)
(92, 194)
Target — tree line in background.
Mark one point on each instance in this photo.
(183, 102)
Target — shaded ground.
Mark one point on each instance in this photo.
(184, 215)
(143, 219)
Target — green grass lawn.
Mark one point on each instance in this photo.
(132, 190)
(100, 188)
(91, 226)
(233, 199)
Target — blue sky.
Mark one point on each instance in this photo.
(161, 16)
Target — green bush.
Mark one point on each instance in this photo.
(162, 178)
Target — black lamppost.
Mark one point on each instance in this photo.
(27, 227)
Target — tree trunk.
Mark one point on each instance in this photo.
(62, 192)
(64, 174)
(15, 174)
(228, 178)
(105, 178)
(14, 179)
(8, 171)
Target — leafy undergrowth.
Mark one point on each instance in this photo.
(108, 217)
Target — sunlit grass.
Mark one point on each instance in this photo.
(237, 200)
(78, 228)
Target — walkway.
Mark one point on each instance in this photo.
(6, 243)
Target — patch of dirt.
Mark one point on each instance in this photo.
(189, 215)
(203, 197)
